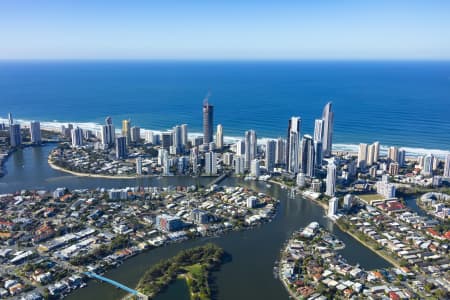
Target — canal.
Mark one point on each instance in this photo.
(249, 273)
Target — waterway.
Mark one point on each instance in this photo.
(249, 273)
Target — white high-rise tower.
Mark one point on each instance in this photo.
(331, 180)
(293, 144)
(447, 166)
(250, 147)
(328, 119)
(35, 132)
(219, 137)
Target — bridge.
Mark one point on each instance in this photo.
(219, 179)
(116, 284)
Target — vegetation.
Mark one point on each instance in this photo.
(193, 264)
(370, 197)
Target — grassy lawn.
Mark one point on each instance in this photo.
(370, 197)
(193, 265)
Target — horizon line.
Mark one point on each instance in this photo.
(99, 59)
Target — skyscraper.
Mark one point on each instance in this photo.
(193, 157)
(184, 136)
(376, 152)
(165, 162)
(126, 130)
(219, 137)
(254, 168)
(121, 147)
(332, 206)
(77, 137)
(292, 144)
(280, 152)
(270, 155)
(177, 139)
(318, 154)
(239, 164)
(401, 157)
(307, 156)
(331, 180)
(428, 165)
(370, 154)
(109, 132)
(10, 119)
(35, 132)
(318, 130)
(210, 163)
(139, 165)
(362, 156)
(447, 166)
(208, 111)
(135, 134)
(15, 137)
(393, 153)
(250, 147)
(328, 119)
(240, 147)
(166, 140)
(104, 135)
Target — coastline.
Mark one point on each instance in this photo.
(338, 147)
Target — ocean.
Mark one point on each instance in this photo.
(406, 104)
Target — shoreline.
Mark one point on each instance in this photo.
(389, 259)
(325, 208)
(55, 167)
(58, 168)
(7, 155)
(319, 203)
(338, 147)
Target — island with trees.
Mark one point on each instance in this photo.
(194, 265)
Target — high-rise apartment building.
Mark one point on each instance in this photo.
(293, 144)
(208, 112)
(35, 132)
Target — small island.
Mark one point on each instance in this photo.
(194, 265)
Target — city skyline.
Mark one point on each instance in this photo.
(110, 157)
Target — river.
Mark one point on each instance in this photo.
(249, 273)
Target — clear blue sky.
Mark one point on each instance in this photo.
(226, 29)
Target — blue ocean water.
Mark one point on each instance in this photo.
(397, 103)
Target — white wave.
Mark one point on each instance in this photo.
(410, 151)
(95, 127)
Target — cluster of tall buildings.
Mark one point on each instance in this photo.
(15, 134)
(298, 154)
(368, 154)
(302, 154)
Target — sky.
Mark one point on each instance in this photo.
(225, 29)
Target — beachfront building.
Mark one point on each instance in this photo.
(77, 137)
(292, 144)
(35, 132)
